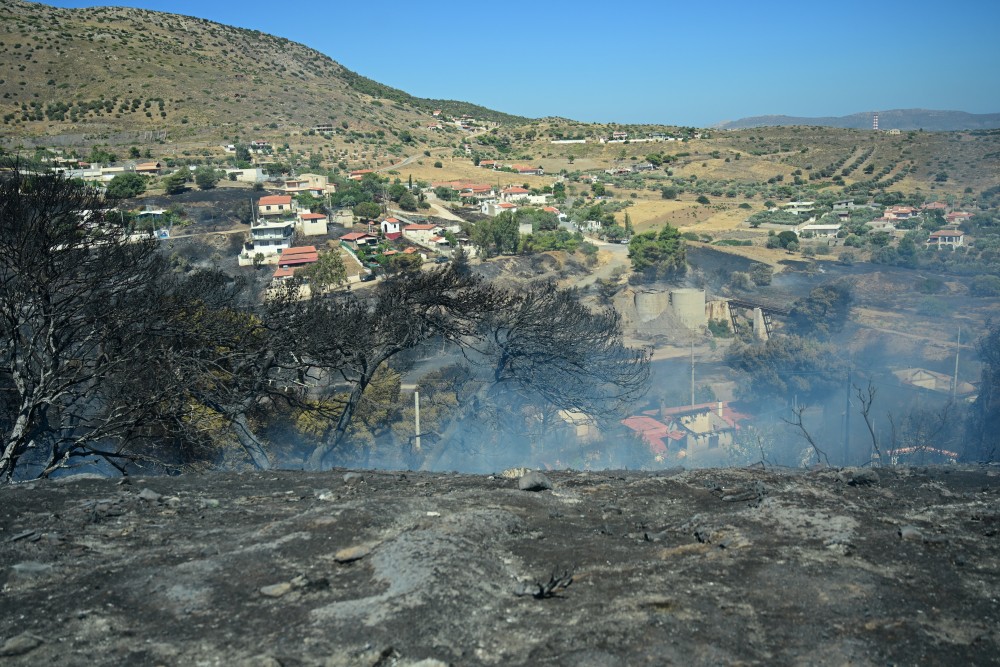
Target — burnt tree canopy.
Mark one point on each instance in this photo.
(824, 312)
(785, 367)
(984, 419)
(545, 342)
(105, 353)
(78, 299)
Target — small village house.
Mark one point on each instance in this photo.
(274, 205)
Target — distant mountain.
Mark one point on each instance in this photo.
(900, 119)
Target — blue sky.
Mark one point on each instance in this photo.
(684, 63)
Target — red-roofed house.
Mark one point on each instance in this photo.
(294, 258)
(391, 226)
(900, 212)
(276, 205)
(527, 169)
(687, 428)
(494, 209)
(489, 164)
(514, 192)
(358, 239)
(421, 233)
(935, 206)
(358, 174)
(957, 217)
(149, 168)
(312, 224)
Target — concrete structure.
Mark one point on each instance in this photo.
(650, 305)
(688, 305)
(254, 175)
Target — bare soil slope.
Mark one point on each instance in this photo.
(730, 566)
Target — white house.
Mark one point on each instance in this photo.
(267, 239)
(799, 207)
(391, 226)
(494, 209)
(421, 233)
(946, 238)
(514, 192)
(819, 231)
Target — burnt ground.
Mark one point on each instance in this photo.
(723, 566)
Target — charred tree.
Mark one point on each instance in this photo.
(78, 300)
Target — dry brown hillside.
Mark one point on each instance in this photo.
(107, 70)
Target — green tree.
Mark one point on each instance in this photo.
(668, 192)
(206, 177)
(787, 237)
(506, 234)
(658, 254)
(242, 158)
(327, 271)
(397, 190)
(367, 210)
(445, 193)
(702, 199)
(176, 183)
(126, 186)
(988, 286)
(407, 202)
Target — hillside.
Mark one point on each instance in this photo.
(105, 71)
(900, 119)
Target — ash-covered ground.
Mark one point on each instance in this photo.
(715, 566)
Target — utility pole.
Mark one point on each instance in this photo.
(692, 372)
(847, 412)
(416, 419)
(958, 349)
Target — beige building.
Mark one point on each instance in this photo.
(276, 205)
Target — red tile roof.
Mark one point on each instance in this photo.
(354, 236)
(312, 216)
(415, 227)
(298, 256)
(275, 200)
(653, 432)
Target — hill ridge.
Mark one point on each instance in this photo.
(900, 119)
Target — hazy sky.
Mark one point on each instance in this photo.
(685, 63)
